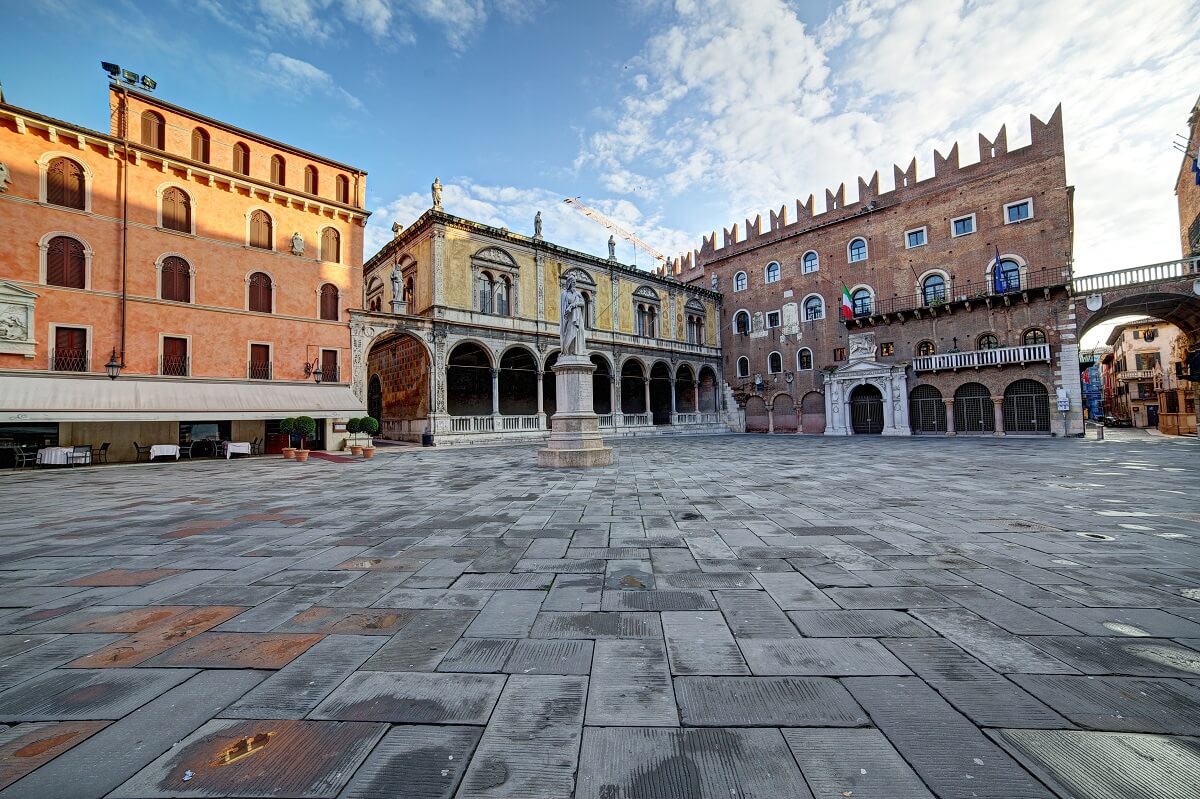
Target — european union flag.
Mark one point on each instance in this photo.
(1196, 169)
(999, 284)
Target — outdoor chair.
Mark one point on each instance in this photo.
(80, 456)
(23, 457)
(101, 455)
(141, 451)
(256, 446)
(185, 450)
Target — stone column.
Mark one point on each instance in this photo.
(674, 409)
(696, 395)
(770, 417)
(949, 403)
(495, 392)
(998, 410)
(649, 412)
(541, 401)
(889, 411)
(615, 388)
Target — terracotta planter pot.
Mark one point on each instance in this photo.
(289, 452)
(302, 455)
(368, 452)
(355, 449)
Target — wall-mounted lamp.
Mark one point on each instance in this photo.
(113, 367)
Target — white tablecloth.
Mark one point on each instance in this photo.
(240, 447)
(159, 450)
(54, 456)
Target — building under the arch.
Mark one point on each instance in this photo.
(460, 337)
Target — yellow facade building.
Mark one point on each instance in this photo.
(460, 335)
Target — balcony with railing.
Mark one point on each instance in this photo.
(70, 359)
(957, 295)
(258, 370)
(331, 374)
(1137, 374)
(174, 366)
(977, 359)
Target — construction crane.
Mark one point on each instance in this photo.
(575, 203)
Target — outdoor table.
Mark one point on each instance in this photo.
(240, 447)
(54, 456)
(158, 450)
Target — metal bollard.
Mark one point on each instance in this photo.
(1099, 432)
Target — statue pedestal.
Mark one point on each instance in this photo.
(575, 441)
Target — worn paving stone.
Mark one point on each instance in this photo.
(1119, 704)
(531, 745)
(1108, 765)
(597, 625)
(638, 763)
(214, 650)
(507, 614)
(1133, 622)
(423, 642)
(792, 591)
(858, 624)
(26, 665)
(656, 600)
(900, 598)
(823, 657)
(86, 694)
(413, 698)
(701, 643)
(753, 614)
(853, 763)
(631, 685)
(1131, 657)
(415, 762)
(479, 655)
(25, 747)
(1001, 650)
(766, 702)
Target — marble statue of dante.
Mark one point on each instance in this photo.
(612, 248)
(437, 193)
(570, 324)
(537, 225)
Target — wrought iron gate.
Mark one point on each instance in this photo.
(974, 411)
(927, 412)
(1026, 408)
(866, 411)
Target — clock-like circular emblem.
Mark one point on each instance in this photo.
(1094, 301)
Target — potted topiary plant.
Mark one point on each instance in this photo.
(288, 428)
(306, 428)
(354, 427)
(370, 426)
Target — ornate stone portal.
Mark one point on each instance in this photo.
(575, 428)
(890, 379)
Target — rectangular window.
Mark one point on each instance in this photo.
(1137, 334)
(962, 226)
(887, 348)
(839, 353)
(1148, 360)
(174, 356)
(773, 319)
(1146, 391)
(914, 238)
(259, 367)
(329, 366)
(70, 349)
(1018, 211)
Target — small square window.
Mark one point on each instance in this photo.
(839, 353)
(1018, 212)
(887, 348)
(773, 319)
(963, 226)
(914, 238)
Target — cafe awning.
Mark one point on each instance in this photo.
(56, 398)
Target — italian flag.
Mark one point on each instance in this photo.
(847, 305)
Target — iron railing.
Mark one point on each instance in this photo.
(331, 375)
(1138, 374)
(258, 371)
(973, 359)
(961, 292)
(70, 359)
(1137, 275)
(174, 366)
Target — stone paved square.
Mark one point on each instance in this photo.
(719, 616)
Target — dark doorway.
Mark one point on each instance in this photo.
(550, 387)
(375, 398)
(927, 412)
(866, 410)
(1027, 408)
(660, 393)
(469, 381)
(633, 388)
(601, 386)
(518, 383)
(974, 411)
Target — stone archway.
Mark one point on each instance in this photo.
(783, 414)
(549, 386)
(399, 374)
(660, 393)
(709, 386)
(602, 386)
(812, 412)
(927, 410)
(518, 383)
(1026, 407)
(685, 390)
(974, 411)
(866, 410)
(469, 381)
(633, 388)
(757, 420)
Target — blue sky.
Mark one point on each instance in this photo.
(674, 117)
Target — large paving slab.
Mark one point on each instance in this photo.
(710, 618)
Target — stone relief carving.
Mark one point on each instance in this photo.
(14, 322)
(297, 244)
(862, 346)
(5, 178)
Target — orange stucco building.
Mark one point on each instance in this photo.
(214, 265)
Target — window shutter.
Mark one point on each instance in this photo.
(260, 230)
(331, 245)
(152, 130)
(65, 263)
(329, 302)
(200, 145)
(310, 179)
(329, 364)
(241, 159)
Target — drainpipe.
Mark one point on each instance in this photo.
(124, 128)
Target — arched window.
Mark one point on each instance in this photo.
(153, 130)
(66, 184)
(741, 322)
(177, 210)
(988, 342)
(486, 287)
(261, 230)
(587, 309)
(926, 348)
(311, 183)
(241, 159)
(343, 189)
(743, 366)
(201, 146)
(278, 170)
(646, 320)
(739, 281)
(260, 293)
(374, 292)
(804, 360)
(1007, 276)
(503, 291)
(933, 290)
(861, 299)
(812, 262)
(774, 363)
(814, 308)
(772, 273)
(66, 263)
(329, 302)
(857, 250)
(176, 280)
(331, 245)
(1035, 335)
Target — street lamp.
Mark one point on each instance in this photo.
(113, 367)
(317, 373)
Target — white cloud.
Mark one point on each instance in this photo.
(301, 78)
(739, 100)
(514, 208)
